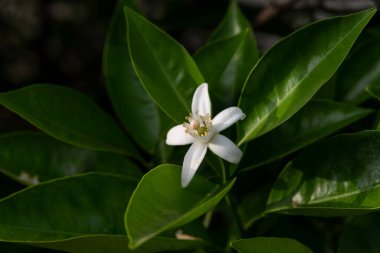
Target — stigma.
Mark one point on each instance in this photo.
(197, 125)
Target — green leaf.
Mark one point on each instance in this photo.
(316, 120)
(374, 91)
(32, 157)
(163, 66)
(232, 24)
(87, 204)
(81, 213)
(361, 235)
(269, 244)
(119, 244)
(361, 69)
(291, 72)
(337, 176)
(134, 107)
(226, 64)
(69, 116)
(252, 207)
(160, 203)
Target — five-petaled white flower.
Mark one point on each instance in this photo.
(201, 131)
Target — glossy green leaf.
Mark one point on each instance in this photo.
(232, 24)
(361, 69)
(361, 235)
(164, 67)
(30, 158)
(119, 244)
(226, 64)
(291, 72)
(135, 108)
(160, 203)
(316, 120)
(87, 204)
(81, 213)
(69, 116)
(269, 244)
(337, 176)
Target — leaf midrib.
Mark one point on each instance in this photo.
(161, 67)
(263, 118)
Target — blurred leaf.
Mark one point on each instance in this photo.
(253, 205)
(30, 158)
(69, 116)
(135, 108)
(163, 66)
(316, 120)
(337, 176)
(232, 24)
(291, 72)
(159, 203)
(269, 244)
(361, 235)
(226, 64)
(374, 91)
(361, 69)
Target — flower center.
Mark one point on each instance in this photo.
(197, 125)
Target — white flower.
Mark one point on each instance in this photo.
(202, 131)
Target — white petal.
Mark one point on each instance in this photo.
(177, 136)
(225, 148)
(201, 101)
(192, 160)
(226, 118)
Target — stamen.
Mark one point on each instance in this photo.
(198, 125)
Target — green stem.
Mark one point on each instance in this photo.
(224, 172)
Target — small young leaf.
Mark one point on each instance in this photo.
(160, 203)
(69, 116)
(290, 73)
(269, 244)
(135, 108)
(232, 24)
(337, 176)
(164, 67)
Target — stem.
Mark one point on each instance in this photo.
(224, 173)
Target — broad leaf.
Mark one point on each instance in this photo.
(269, 244)
(361, 69)
(316, 120)
(225, 64)
(87, 204)
(119, 244)
(361, 235)
(160, 203)
(69, 116)
(291, 72)
(32, 157)
(135, 108)
(232, 24)
(81, 213)
(337, 176)
(163, 66)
